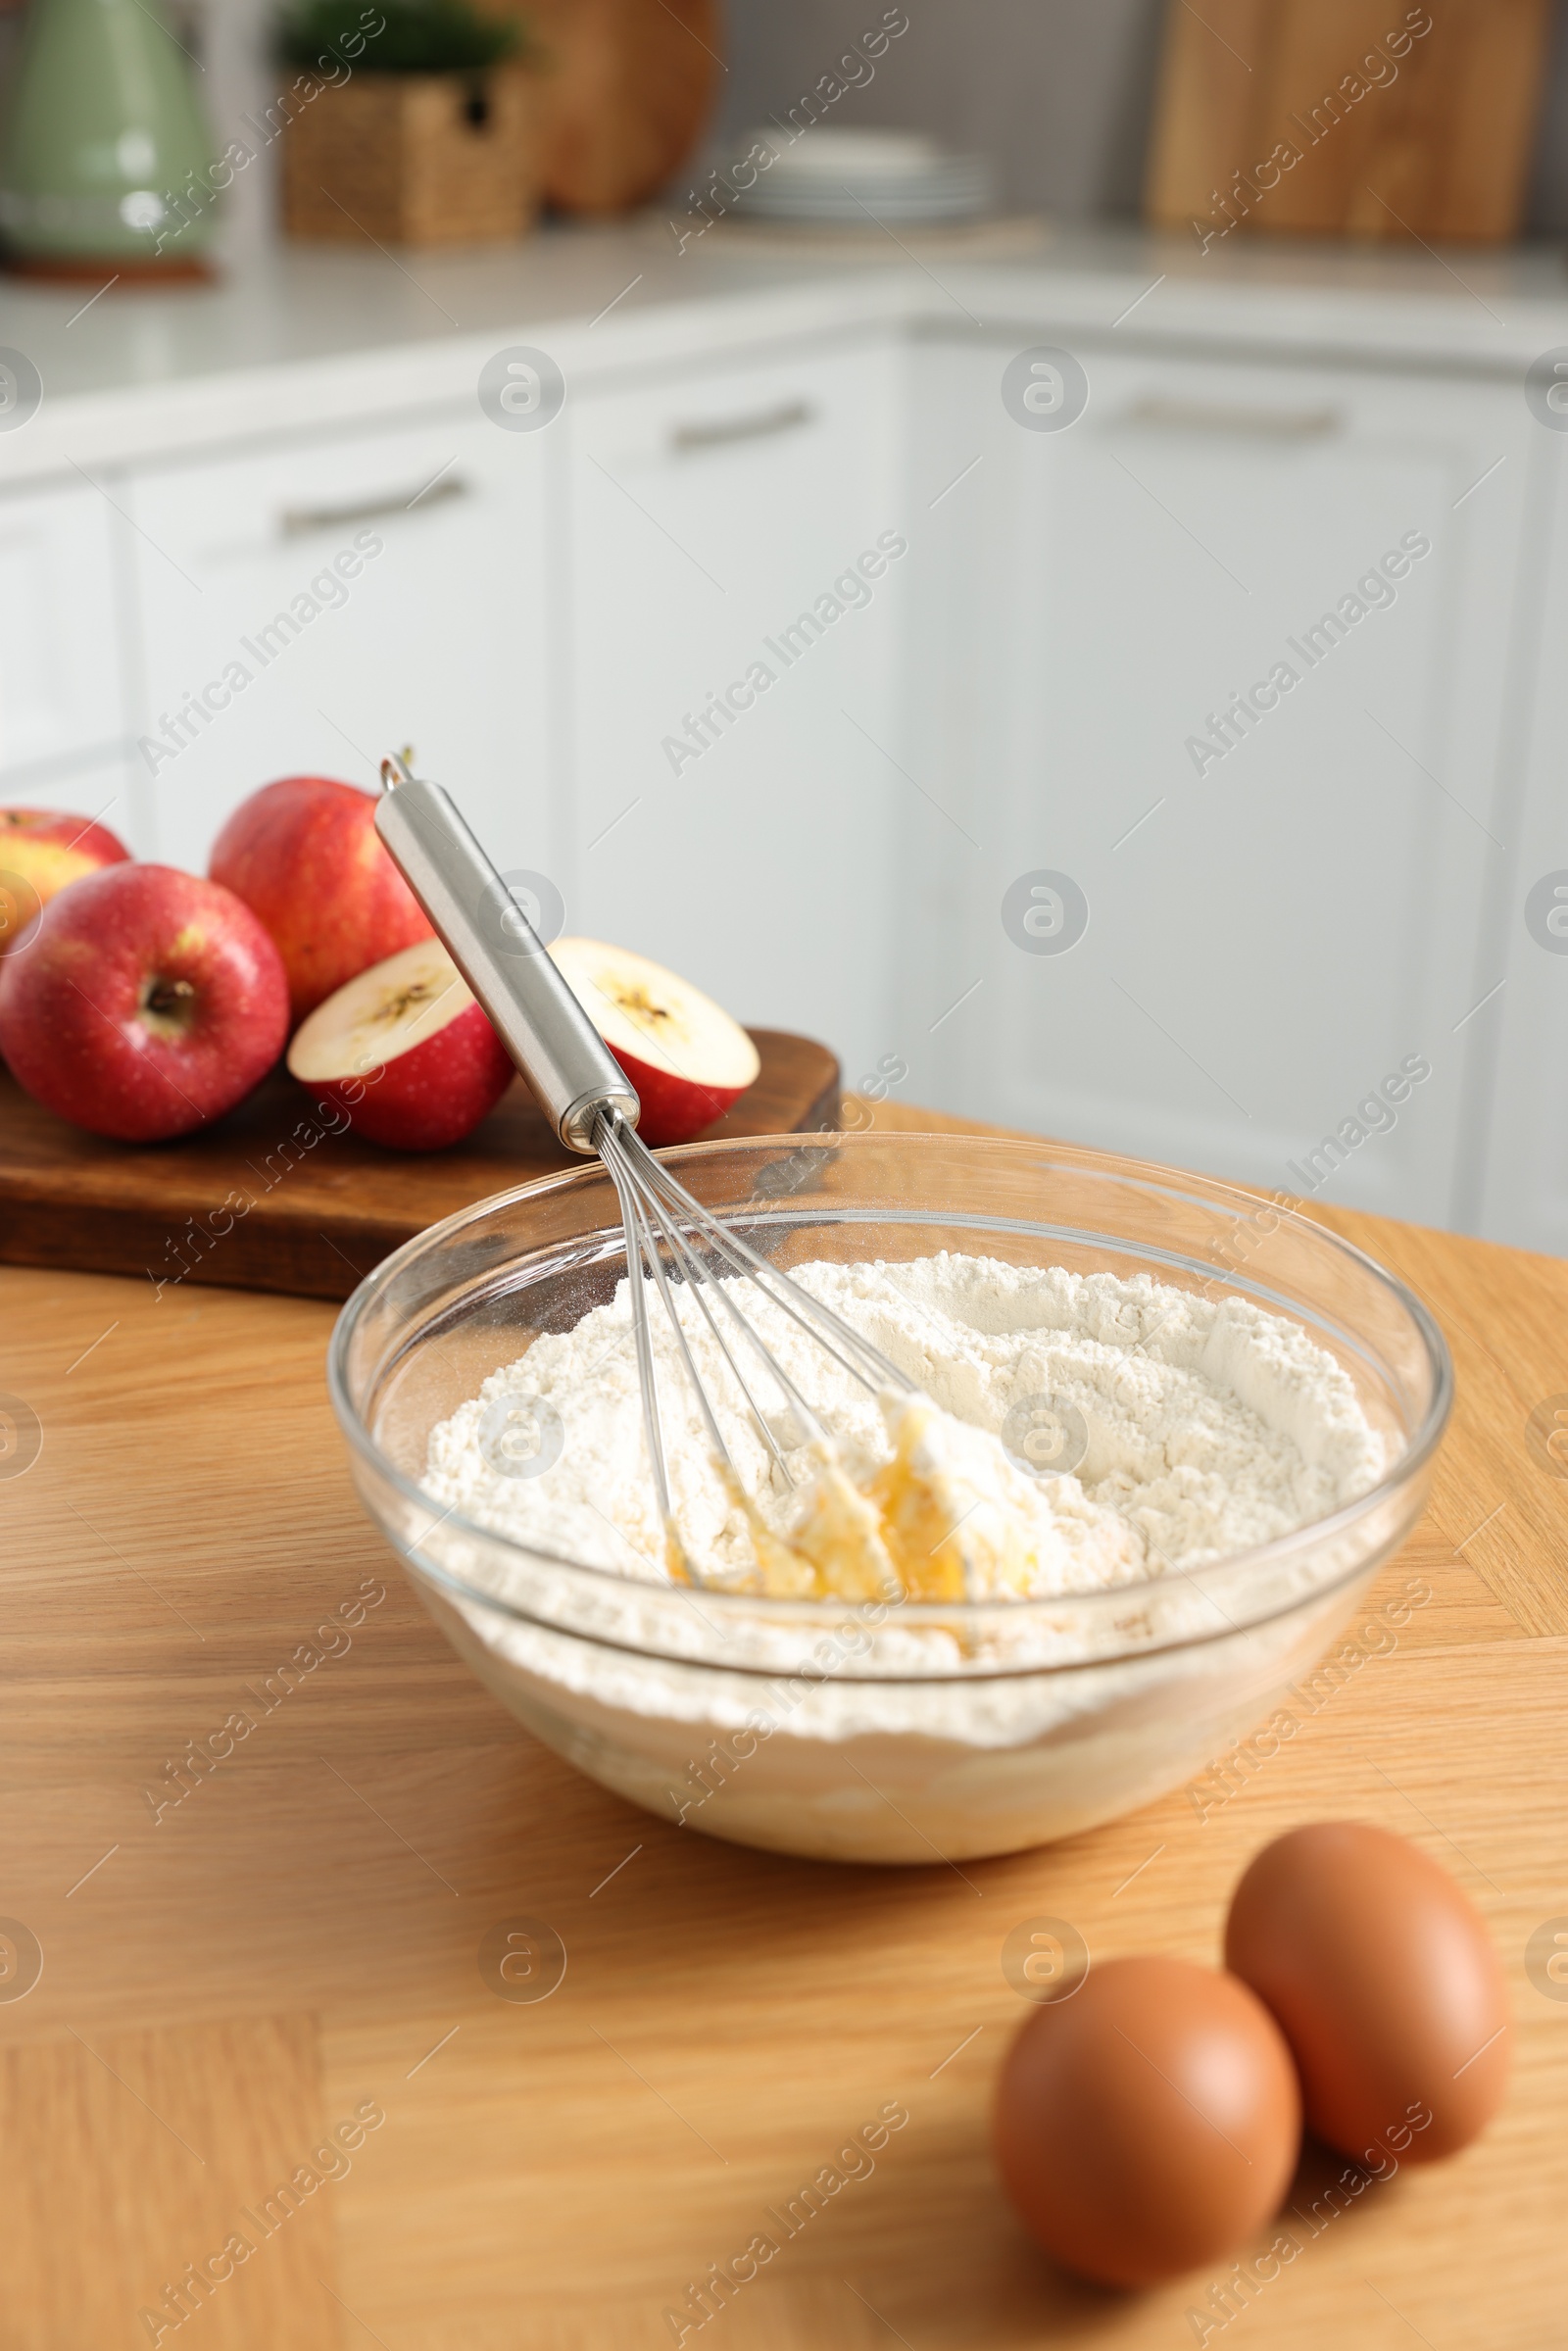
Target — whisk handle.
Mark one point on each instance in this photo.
(570, 1070)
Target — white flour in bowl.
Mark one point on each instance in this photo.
(1206, 1426)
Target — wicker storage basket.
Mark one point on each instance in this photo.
(416, 159)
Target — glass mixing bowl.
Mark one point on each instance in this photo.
(874, 1732)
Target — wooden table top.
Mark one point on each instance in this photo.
(264, 1969)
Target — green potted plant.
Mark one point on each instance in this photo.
(406, 122)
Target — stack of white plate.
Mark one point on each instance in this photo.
(829, 177)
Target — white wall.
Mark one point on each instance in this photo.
(1057, 91)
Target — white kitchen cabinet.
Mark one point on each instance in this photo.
(710, 512)
(1269, 938)
(1524, 1114)
(440, 637)
(569, 625)
(62, 686)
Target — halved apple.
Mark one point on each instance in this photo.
(406, 1051)
(686, 1058)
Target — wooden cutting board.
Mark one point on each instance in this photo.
(625, 87)
(273, 1199)
(1395, 131)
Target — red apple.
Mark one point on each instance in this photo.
(405, 1049)
(305, 856)
(686, 1058)
(149, 1003)
(41, 850)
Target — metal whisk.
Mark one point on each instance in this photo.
(593, 1108)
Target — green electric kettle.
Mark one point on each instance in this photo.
(103, 147)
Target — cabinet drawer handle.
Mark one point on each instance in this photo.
(299, 522)
(758, 426)
(1263, 423)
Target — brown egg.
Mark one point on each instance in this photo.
(1385, 1984)
(1148, 2123)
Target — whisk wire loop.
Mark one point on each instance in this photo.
(856, 1354)
(699, 1281)
(647, 1380)
(651, 1212)
(666, 1228)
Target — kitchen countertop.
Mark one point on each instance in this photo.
(225, 1984)
(313, 335)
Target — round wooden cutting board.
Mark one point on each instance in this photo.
(626, 88)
